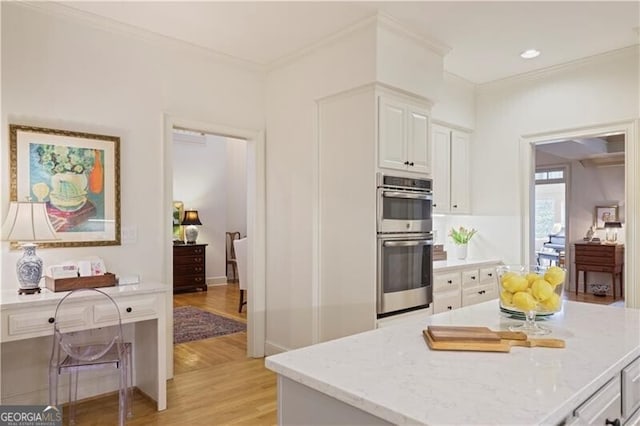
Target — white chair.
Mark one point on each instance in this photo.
(240, 247)
(78, 350)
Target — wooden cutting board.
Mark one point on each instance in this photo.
(501, 345)
(476, 334)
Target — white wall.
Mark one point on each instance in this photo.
(457, 102)
(590, 92)
(236, 157)
(59, 72)
(292, 91)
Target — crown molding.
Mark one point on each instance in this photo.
(107, 24)
(389, 22)
(544, 72)
(376, 19)
(326, 41)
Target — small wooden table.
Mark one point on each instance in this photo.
(591, 257)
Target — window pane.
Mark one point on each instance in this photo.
(541, 176)
(557, 174)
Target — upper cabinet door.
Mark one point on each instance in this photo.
(460, 172)
(441, 168)
(418, 148)
(392, 134)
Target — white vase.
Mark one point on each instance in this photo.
(461, 251)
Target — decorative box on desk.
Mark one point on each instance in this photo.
(66, 284)
(189, 267)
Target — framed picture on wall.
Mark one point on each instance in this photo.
(178, 229)
(605, 214)
(76, 174)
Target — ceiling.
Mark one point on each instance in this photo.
(485, 37)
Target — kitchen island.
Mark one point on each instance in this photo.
(389, 375)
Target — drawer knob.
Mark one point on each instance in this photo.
(473, 277)
(52, 320)
(129, 309)
(449, 282)
(449, 308)
(490, 274)
(615, 422)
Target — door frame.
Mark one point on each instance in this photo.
(631, 182)
(256, 226)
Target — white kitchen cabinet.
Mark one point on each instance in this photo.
(450, 154)
(464, 286)
(403, 135)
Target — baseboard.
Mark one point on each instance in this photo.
(273, 349)
(213, 281)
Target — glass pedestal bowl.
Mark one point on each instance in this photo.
(529, 292)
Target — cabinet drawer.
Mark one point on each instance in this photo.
(470, 278)
(188, 269)
(188, 250)
(189, 280)
(482, 293)
(604, 405)
(446, 301)
(488, 275)
(129, 308)
(37, 322)
(631, 388)
(446, 282)
(188, 260)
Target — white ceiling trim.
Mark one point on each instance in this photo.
(107, 24)
(432, 44)
(544, 72)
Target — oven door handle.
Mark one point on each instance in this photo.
(411, 243)
(408, 195)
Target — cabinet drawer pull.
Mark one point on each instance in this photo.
(455, 206)
(435, 205)
(411, 163)
(129, 309)
(198, 279)
(449, 308)
(198, 251)
(52, 320)
(449, 282)
(490, 274)
(473, 277)
(615, 422)
(406, 163)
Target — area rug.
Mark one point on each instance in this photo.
(190, 323)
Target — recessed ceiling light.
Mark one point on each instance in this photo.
(530, 54)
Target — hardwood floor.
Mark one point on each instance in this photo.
(214, 382)
(590, 298)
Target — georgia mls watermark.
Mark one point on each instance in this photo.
(30, 415)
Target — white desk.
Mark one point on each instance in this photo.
(27, 330)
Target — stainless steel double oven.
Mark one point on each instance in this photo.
(405, 244)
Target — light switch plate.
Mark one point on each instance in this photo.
(129, 234)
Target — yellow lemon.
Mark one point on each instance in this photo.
(525, 301)
(506, 298)
(516, 284)
(554, 275)
(506, 276)
(531, 277)
(552, 304)
(541, 290)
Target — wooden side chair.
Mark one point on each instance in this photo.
(231, 255)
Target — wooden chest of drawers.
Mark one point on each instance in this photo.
(600, 258)
(189, 267)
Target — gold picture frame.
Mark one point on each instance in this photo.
(178, 229)
(605, 214)
(76, 174)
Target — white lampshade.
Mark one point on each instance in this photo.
(27, 221)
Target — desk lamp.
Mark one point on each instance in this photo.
(28, 223)
(191, 219)
(612, 231)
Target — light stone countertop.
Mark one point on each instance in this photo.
(451, 264)
(391, 373)
(11, 298)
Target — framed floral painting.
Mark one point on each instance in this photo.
(76, 174)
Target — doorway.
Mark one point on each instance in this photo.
(596, 164)
(255, 207)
